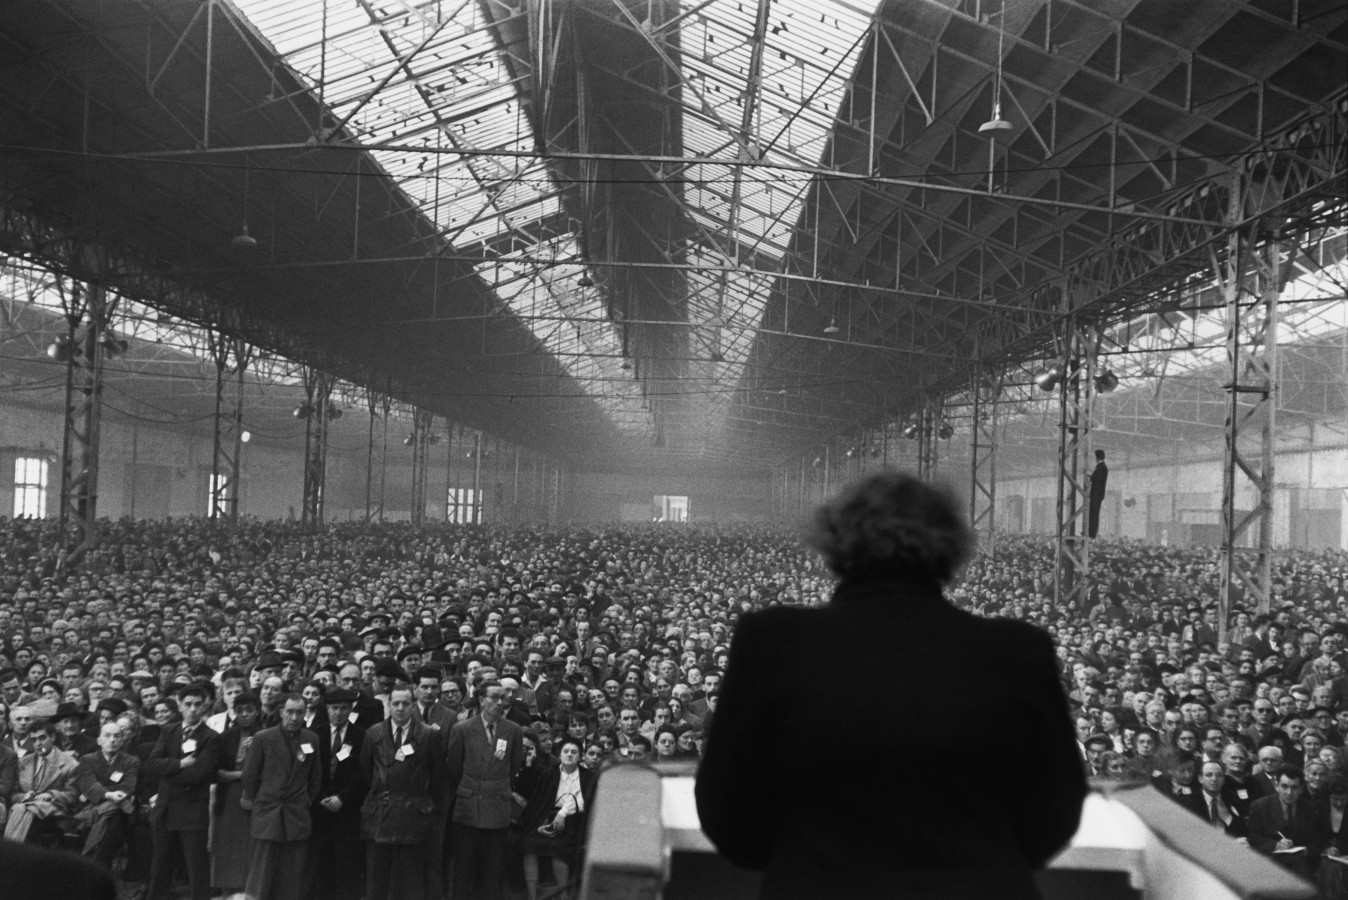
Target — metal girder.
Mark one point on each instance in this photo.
(985, 392)
(1076, 397)
(929, 422)
(379, 406)
(90, 305)
(227, 444)
(1253, 273)
(422, 421)
(317, 393)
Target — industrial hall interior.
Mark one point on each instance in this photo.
(638, 284)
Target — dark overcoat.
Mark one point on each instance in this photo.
(183, 802)
(282, 779)
(404, 795)
(940, 760)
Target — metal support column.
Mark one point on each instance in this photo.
(983, 460)
(1071, 580)
(1252, 276)
(929, 420)
(555, 495)
(227, 449)
(421, 447)
(317, 393)
(477, 478)
(90, 305)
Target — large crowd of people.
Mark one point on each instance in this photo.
(387, 711)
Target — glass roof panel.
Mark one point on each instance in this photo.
(428, 72)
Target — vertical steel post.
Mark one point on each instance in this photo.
(1071, 582)
(83, 417)
(422, 421)
(983, 460)
(1252, 276)
(317, 391)
(227, 446)
(369, 456)
(477, 478)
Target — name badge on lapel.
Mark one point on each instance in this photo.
(401, 755)
(501, 746)
(354, 717)
(1243, 794)
(343, 753)
(306, 748)
(115, 777)
(190, 745)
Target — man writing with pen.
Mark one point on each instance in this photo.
(1283, 826)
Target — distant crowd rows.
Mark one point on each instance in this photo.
(598, 644)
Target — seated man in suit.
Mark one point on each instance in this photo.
(106, 779)
(1281, 823)
(1219, 805)
(45, 792)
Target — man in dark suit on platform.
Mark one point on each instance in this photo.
(1283, 822)
(281, 779)
(1099, 481)
(185, 759)
(336, 857)
(852, 829)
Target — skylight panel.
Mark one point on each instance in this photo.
(431, 72)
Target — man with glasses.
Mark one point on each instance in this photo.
(1264, 781)
(485, 753)
(367, 711)
(1264, 727)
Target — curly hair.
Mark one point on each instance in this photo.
(892, 523)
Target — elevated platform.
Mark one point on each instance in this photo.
(1133, 844)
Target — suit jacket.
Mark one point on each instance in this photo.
(95, 776)
(320, 722)
(58, 777)
(479, 777)
(855, 835)
(542, 801)
(441, 718)
(405, 796)
(281, 779)
(1267, 823)
(369, 711)
(184, 799)
(9, 773)
(342, 780)
(30, 873)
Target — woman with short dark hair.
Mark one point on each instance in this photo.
(923, 680)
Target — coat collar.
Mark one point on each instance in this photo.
(901, 591)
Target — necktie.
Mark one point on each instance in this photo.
(398, 736)
(37, 772)
(336, 740)
(1212, 812)
(491, 735)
